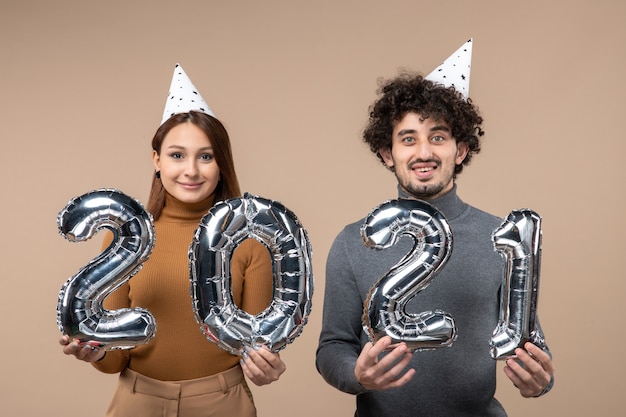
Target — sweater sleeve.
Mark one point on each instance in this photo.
(547, 350)
(115, 360)
(339, 343)
(252, 277)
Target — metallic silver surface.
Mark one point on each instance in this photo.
(384, 309)
(79, 310)
(225, 226)
(518, 240)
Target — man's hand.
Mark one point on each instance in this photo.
(534, 373)
(377, 373)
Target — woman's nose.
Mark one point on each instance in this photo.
(191, 169)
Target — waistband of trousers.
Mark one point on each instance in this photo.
(172, 390)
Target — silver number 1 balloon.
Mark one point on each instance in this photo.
(518, 239)
(384, 310)
(80, 313)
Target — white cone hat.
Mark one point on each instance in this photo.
(455, 71)
(183, 96)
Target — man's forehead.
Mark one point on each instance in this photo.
(423, 118)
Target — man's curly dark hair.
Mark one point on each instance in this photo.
(413, 93)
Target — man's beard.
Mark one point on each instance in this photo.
(423, 192)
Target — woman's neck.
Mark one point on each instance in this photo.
(175, 210)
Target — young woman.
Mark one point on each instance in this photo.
(180, 372)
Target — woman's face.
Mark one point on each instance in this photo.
(188, 169)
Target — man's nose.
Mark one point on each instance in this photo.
(424, 150)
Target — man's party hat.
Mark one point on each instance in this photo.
(455, 71)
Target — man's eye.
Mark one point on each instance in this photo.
(438, 138)
(408, 139)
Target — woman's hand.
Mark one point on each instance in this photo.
(84, 351)
(262, 366)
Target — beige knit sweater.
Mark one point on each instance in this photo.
(179, 349)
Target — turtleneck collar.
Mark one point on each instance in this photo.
(177, 211)
(449, 204)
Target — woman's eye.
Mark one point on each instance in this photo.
(176, 155)
(206, 157)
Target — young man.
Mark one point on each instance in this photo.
(425, 132)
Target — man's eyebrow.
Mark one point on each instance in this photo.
(437, 128)
(442, 128)
(406, 132)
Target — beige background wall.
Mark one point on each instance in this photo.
(83, 86)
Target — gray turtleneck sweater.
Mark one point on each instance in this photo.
(459, 380)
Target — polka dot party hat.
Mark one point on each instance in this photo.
(455, 71)
(183, 96)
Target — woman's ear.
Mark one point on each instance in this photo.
(156, 160)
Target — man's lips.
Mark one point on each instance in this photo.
(424, 170)
(424, 166)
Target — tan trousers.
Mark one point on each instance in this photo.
(224, 394)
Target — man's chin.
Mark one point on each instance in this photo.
(425, 192)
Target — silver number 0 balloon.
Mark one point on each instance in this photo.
(227, 224)
(384, 309)
(80, 313)
(518, 239)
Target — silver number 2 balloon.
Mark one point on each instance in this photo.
(226, 225)
(384, 309)
(518, 239)
(80, 313)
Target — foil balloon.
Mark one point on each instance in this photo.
(80, 313)
(226, 225)
(384, 308)
(518, 240)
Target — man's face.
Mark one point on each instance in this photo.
(423, 155)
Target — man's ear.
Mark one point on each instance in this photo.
(385, 153)
(462, 148)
